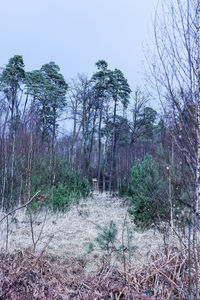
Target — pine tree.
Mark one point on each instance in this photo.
(10, 81)
(101, 81)
(120, 91)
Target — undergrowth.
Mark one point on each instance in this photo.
(69, 186)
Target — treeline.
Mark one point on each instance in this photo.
(31, 105)
(112, 127)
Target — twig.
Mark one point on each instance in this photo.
(33, 266)
(43, 250)
(7, 233)
(32, 230)
(123, 249)
(22, 206)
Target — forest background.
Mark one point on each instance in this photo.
(118, 137)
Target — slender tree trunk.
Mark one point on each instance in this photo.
(43, 124)
(197, 77)
(85, 134)
(104, 163)
(197, 205)
(30, 164)
(6, 119)
(171, 163)
(113, 146)
(100, 154)
(91, 140)
(73, 150)
(5, 170)
(12, 167)
(4, 152)
(53, 156)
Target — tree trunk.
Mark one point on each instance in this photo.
(91, 140)
(100, 154)
(104, 163)
(197, 205)
(113, 146)
(53, 155)
(73, 150)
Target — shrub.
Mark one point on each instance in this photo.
(107, 237)
(148, 192)
(62, 198)
(107, 242)
(69, 186)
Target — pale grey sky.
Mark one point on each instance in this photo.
(77, 33)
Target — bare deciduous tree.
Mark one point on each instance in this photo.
(176, 70)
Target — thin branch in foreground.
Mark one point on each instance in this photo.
(22, 206)
(43, 250)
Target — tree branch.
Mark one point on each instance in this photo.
(22, 206)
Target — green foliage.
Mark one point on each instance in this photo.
(148, 192)
(107, 237)
(63, 197)
(144, 124)
(147, 122)
(101, 64)
(12, 76)
(10, 83)
(119, 87)
(69, 186)
(40, 176)
(48, 88)
(77, 185)
(101, 80)
(107, 242)
(90, 247)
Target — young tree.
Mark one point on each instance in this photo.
(148, 192)
(176, 69)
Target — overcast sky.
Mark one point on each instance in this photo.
(77, 33)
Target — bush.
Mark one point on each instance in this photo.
(69, 186)
(148, 192)
(107, 237)
(107, 242)
(62, 198)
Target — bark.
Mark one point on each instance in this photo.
(91, 140)
(12, 168)
(178, 49)
(100, 154)
(197, 84)
(113, 146)
(104, 163)
(73, 150)
(53, 155)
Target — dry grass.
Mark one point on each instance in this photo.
(25, 276)
(74, 231)
(66, 271)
